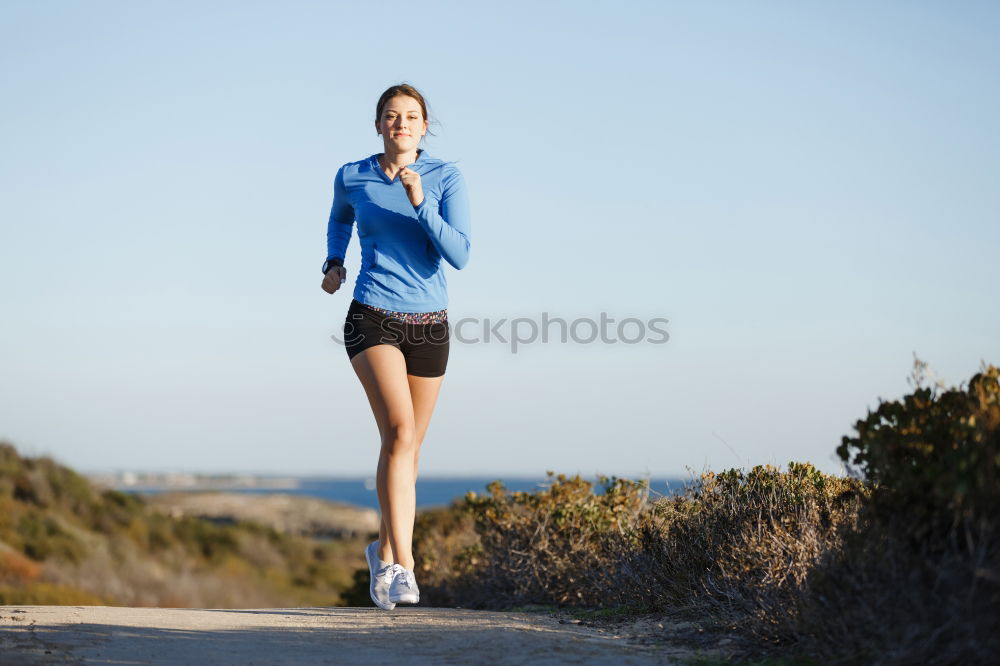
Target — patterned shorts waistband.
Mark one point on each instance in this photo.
(436, 317)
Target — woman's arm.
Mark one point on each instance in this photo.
(449, 229)
(341, 224)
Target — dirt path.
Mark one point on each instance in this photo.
(415, 634)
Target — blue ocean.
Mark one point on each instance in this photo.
(431, 491)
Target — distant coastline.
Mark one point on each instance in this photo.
(160, 481)
(357, 490)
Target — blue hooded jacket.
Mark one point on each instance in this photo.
(401, 245)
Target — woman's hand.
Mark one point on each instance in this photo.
(411, 182)
(334, 277)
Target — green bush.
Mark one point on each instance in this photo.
(934, 458)
(917, 580)
(42, 537)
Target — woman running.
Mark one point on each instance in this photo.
(412, 210)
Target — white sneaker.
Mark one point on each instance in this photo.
(403, 588)
(380, 577)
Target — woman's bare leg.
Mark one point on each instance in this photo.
(423, 393)
(402, 431)
(382, 371)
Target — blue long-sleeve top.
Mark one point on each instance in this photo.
(401, 244)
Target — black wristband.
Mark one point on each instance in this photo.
(331, 262)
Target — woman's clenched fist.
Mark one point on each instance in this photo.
(336, 276)
(411, 183)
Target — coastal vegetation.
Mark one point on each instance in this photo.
(65, 541)
(894, 563)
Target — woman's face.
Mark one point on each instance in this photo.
(402, 123)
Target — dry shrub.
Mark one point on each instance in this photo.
(734, 544)
(503, 549)
(546, 546)
(738, 545)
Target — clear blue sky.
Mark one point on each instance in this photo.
(807, 191)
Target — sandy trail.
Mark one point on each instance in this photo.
(418, 635)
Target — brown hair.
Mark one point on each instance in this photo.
(402, 89)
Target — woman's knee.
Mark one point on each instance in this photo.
(399, 438)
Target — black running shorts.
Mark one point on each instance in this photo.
(424, 346)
